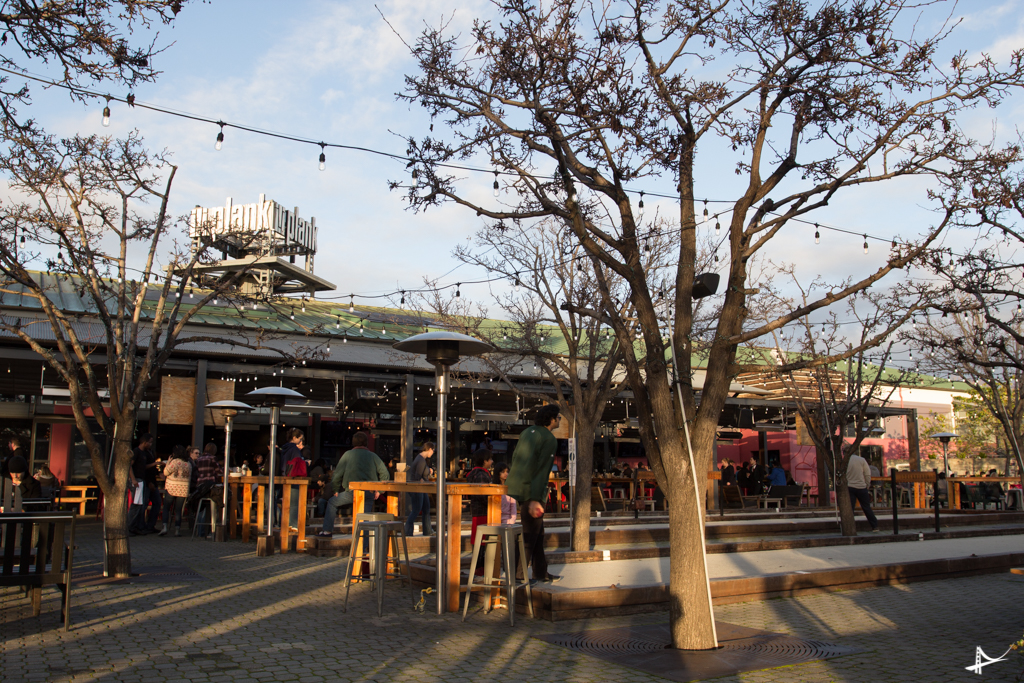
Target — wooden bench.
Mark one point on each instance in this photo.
(732, 497)
(1017, 570)
(35, 554)
(786, 493)
(80, 496)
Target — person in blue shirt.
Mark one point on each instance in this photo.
(777, 477)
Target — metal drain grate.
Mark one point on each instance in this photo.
(598, 642)
(787, 650)
(741, 649)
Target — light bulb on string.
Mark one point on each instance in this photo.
(220, 137)
(337, 324)
(640, 205)
(865, 243)
(323, 157)
(351, 303)
(497, 188)
(292, 316)
(402, 302)
(817, 234)
(303, 304)
(106, 114)
(518, 284)
(718, 228)
(705, 209)
(458, 290)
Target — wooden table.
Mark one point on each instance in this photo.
(243, 527)
(80, 500)
(454, 494)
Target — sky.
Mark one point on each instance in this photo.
(329, 70)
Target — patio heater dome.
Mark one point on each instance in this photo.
(273, 395)
(230, 405)
(442, 347)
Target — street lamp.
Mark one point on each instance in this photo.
(442, 349)
(228, 409)
(944, 437)
(274, 397)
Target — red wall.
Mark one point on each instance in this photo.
(60, 450)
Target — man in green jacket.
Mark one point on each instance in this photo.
(528, 483)
(358, 464)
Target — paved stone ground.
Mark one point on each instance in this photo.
(280, 619)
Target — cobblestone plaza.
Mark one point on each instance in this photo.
(281, 619)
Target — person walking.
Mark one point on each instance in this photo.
(419, 503)
(357, 464)
(528, 483)
(858, 479)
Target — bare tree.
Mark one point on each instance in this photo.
(80, 213)
(549, 277)
(962, 342)
(573, 103)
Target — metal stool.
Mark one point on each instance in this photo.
(507, 535)
(381, 536)
(213, 517)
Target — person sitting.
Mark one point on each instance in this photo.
(47, 481)
(22, 479)
(777, 477)
(357, 464)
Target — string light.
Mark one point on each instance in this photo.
(293, 313)
(458, 290)
(220, 138)
(817, 234)
(641, 204)
(497, 188)
(106, 114)
(865, 243)
(351, 303)
(303, 304)
(718, 228)
(402, 302)
(337, 325)
(705, 209)
(323, 157)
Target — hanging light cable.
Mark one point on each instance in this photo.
(865, 243)
(323, 157)
(497, 188)
(106, 113)
(220, 137)
(817, 234)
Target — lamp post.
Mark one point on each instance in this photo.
(274, 397)
(944, 437)
(442, 349)
(228, 409)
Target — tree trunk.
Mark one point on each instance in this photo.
(691, 616)
(580, 540)
(847, 522)
(115, 513)
(821, 460)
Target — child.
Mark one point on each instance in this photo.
(508, 503)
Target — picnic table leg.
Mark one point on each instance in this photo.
(261, 517)
(286, 509)
(300, 543)
(454, 550)
(953, 495)
(232, 529)
(357, 506)
(392, 502)
(246, 510)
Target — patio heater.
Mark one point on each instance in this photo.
(228, 409)
(944, 437)
(442, 350)
(275, 398)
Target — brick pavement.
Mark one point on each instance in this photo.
(280, 619)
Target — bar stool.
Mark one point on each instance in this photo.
(381, 533)
(213, 517)
(508, 535)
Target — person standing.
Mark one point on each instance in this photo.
(137, 478)
(508, 503)
(178, 478)
(858, 479)
(419, 503)
(528, 483)
(357, 464)
(480, 474)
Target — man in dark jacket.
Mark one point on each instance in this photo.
(419, 503)
(141, 457)
(22, 479)
(528, 483)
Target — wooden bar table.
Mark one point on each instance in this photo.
(454, 494)
(243, 527)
